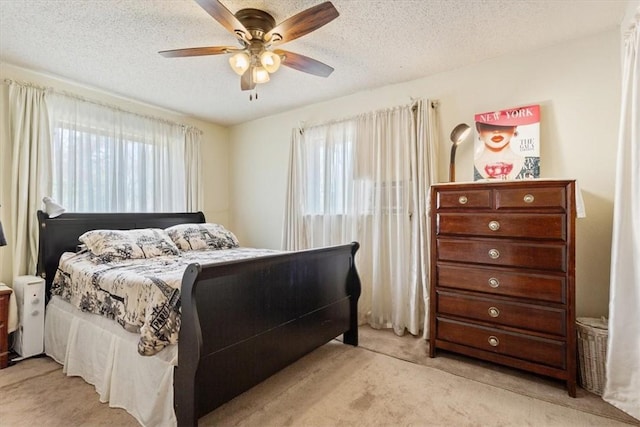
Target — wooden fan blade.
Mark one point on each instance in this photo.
(225, 18)
(198, 51)
(304, 63)
(303, 23)
(246, 81)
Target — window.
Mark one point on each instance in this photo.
(329, 175)
(341, 178)
(106, 160)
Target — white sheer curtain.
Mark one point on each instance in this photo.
(366, 179)
(193, 168)
(29, 130)
(426, 168)
(622, 387)
(108, 160)
(292, 236)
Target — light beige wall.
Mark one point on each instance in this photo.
(214, 152)
(577, 85)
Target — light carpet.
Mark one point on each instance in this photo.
(540, 387)
(336, 385)
(339, 385)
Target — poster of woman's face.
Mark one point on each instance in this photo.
(507, 144)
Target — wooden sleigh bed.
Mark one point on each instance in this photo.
(282, 307)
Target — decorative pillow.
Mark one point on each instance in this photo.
(113, 245)
(193, 237)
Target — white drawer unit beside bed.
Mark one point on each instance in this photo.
(29, 292)
(239, 319)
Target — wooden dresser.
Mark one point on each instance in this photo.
(502, 274)
(4, 325)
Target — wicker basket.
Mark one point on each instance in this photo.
(592, 352)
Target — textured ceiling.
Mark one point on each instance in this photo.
(112, 45)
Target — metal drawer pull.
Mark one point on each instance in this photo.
(494, 253)
(493, 341)
(528, 198)
(494, 312)
(463, 200)
(494, 226)
(493, 282)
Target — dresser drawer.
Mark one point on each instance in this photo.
(467, 199)
(530, 198)
(508, 313)
(530, 348)
(543, 256)
(533, 226)
(495, 281)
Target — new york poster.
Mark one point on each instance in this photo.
(507, 144)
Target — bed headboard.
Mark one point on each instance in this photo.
(60, 234)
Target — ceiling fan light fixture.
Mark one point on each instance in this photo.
(239, 63)
(260, 75)
(257, 32)
(270, 61)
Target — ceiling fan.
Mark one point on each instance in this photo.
(258, 34)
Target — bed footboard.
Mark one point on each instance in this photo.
(242, 321)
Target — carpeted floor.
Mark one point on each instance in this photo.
(415, 350)
(388, 380)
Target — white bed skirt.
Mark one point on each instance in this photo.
(106, 356)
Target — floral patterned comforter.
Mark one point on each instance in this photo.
(142, 295)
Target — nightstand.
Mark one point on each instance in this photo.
(4, 327)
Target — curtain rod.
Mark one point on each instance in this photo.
(49, 89)
(413, 105)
